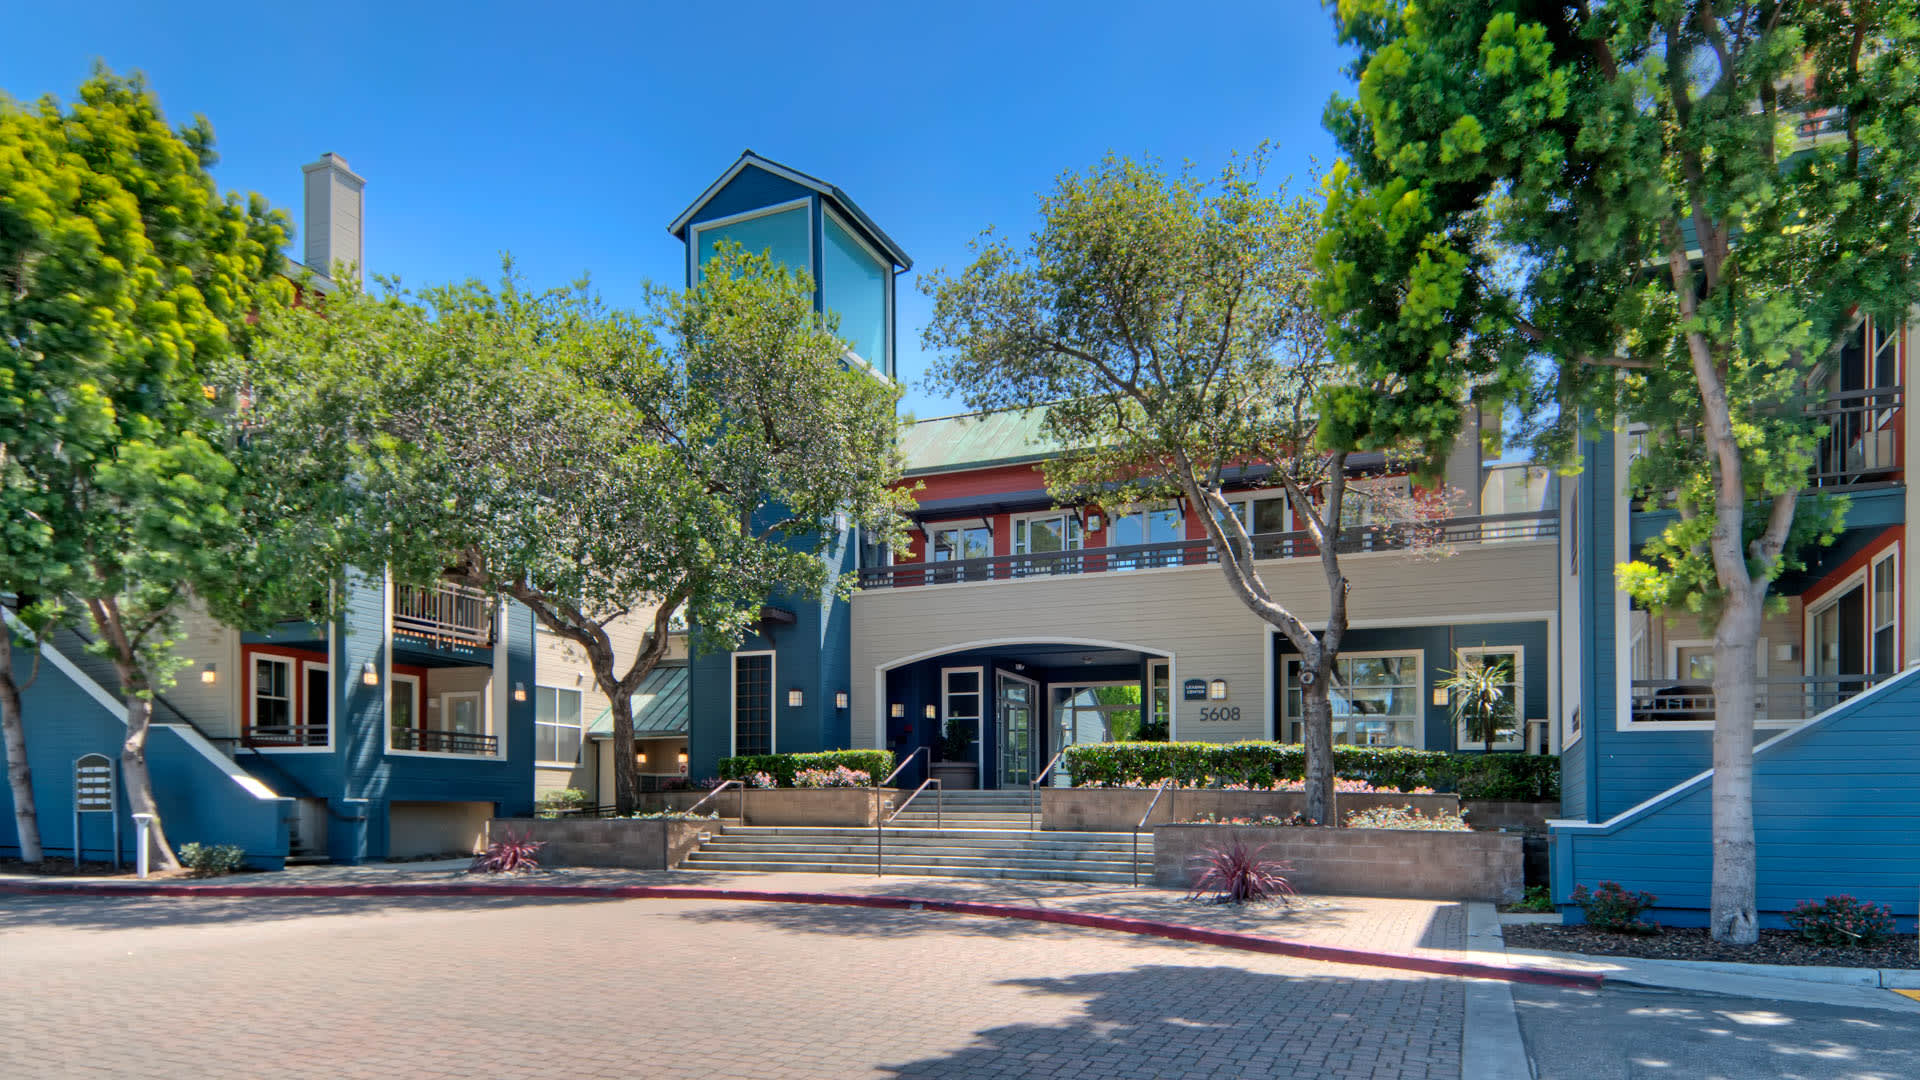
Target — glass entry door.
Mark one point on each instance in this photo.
(1015, 705)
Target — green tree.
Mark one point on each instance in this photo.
(1678, 212)
(1480, 693)
(128, 281)
(592, 464)
(1165, 324)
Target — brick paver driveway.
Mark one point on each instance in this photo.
(489, 987)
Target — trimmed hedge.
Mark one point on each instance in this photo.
(1515, 777)
(875, 763)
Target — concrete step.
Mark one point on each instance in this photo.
(918, 851)
(917, 858)
(914, 841)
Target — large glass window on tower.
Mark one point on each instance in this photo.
(779, 234)
(854, 286)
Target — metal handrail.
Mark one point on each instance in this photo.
(740, 811)
(1157, 792)
(880, 820)
(902, 766)
(1033, 788)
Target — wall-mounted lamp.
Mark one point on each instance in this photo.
(640, 756)
(209, 674)
(683, 757)
(794, 698)
(1439, 695)
(1093, 522)
(932, 713)
(840, 700)
(896, 710)
(519, 691)
(1217, 690)
(369, 674)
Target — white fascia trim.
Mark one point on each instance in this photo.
(1696, 780)
(693, 236)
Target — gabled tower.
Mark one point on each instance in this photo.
(745, 702)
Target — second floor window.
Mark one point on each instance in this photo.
(960, 543)
(556, 720)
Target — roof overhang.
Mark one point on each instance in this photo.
(841, 202)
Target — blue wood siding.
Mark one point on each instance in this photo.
(1833, 812)
(198, 800)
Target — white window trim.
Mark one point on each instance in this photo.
(979, 719)
(733, 700)
(1036, 719)
(296, 690)
(1811, 608)
(1419, 686)
(1874, 623)
(1172, 696)
(803, 202)
(1520, 718)
(933, 528)
(886, 287)
(1078, 532)
(419, 703)
(580, 725)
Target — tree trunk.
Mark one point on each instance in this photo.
(1317, 710)
(133, 768)
(26, 820)
(1734, 918)
(626, 772)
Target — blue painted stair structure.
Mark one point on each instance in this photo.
(202, 794)
(1836, 807)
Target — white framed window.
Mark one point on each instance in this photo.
(1161, 526)
(271, 710)
(556, 726)
(963, 695)
(463, 712)
(316, 704)
(1046, 533)
(1263, 514)
(753, 726)
(1886, 612)
(1377, 700)
(959, 543)
(1514, 659)
(1160, 680)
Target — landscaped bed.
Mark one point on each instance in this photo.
(1775, 947)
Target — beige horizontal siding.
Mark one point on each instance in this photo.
(1190, 614)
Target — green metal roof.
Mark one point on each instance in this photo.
(975, 440)
(659, 706)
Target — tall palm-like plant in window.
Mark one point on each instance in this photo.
(1480, 693)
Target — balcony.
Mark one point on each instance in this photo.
(1443, 533)
(273, 735)
(446, 615)
(1859, 443)
(1778, 700)
(445, 742)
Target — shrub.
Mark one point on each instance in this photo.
(1842, 920)
(782, 767)
(1408, 819)
(761, 780)
(1519, 777)
(212, 860)
(675, 815)
(1236, 874)
(1614, 909)
(838, 776)
(1264, 820)
(508, 855)
(554, 803)
(1539, 899)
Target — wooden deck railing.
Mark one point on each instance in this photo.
(445, 612)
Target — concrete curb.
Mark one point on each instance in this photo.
(1687, 974)
(1491, 1047)
(1331, 954)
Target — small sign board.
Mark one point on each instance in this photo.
(1194, 690)
(93, 784)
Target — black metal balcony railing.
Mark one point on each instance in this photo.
(285, 735)
(1798, 698)
(445, 742)
(445, 613)
(1859, 444)
(1484, 529)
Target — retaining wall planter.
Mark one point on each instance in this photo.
(608, 842)
(1119, 809)
(1359, 862)
(1497, 814)
(782, 806)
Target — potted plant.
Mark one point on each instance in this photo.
(957, 768)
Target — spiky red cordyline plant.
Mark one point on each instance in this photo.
(1236, 875)
(508, 855)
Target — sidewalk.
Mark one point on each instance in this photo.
(1867, 988)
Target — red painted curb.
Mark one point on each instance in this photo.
(1331, 954)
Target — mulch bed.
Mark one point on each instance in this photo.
(1775, 947)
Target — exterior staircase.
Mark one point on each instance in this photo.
(980, 834)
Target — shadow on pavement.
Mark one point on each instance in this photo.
(25, 913)
(1164, 1021)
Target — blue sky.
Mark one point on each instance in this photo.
(570, 137)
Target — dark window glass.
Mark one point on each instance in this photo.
(753, 705)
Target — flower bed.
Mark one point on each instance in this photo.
(1774, 947)
(1119, 809)
(1358, 862)
(782, 769)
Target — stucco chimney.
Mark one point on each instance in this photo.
(335, 205)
